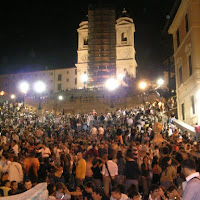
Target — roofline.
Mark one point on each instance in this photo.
(178, 17)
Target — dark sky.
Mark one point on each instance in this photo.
(45, 33)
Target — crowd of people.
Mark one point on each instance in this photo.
(98, 156)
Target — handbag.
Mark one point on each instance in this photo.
(113, 181)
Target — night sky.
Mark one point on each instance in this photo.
(44, 33)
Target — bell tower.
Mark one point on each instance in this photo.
(82, 53)
(125, 50)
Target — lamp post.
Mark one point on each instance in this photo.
(60, 98)
(24, 87)
(39, 87)
(160, 83)
(84, 79)
(12, 96)
(111, 84)
(143, 86)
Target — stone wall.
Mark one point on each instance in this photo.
(85, 104)
(39, 192)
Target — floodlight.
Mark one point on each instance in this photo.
(24, 87)
(111, 84)
(39, 86)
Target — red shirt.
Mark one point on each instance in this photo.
(197, 128)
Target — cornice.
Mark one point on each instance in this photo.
(179, 15)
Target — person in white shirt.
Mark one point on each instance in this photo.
(117, 195)
(4, 162)
(192, 186)
(15, 172)
(45, 151)
(15, 147)
(15, 137)
(130, 122)
(113, 169)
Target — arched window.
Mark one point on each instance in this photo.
(124, 37)
(85, 41)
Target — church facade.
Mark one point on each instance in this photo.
(105, 47)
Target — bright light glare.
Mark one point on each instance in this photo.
(39, 86)
(12, 96)
(84, 78)
(111, 84)
(24, 87)
(60, 97)
(121, 76)
(142, 85)
(160, 81)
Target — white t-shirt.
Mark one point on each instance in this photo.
(15, 148)
(112, 167)
(45, 152)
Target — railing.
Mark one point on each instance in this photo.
(39, 192)
(185, 127)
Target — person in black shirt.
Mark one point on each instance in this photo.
(14, 188)
(131, 171)
(97, 176)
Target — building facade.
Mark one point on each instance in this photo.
(105, 47)
(55, 80)
(185, 29)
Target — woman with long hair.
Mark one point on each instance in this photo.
(156, 170)
(169, 172)
(145, 175)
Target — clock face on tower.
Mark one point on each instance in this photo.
(124, 53)
(84, 58)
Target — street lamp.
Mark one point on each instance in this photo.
(84, 79)
(160, 82)
(39, 88)
(24, 87)
(111, 84)
(60, 97)
(143, 86)
(12, 96)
